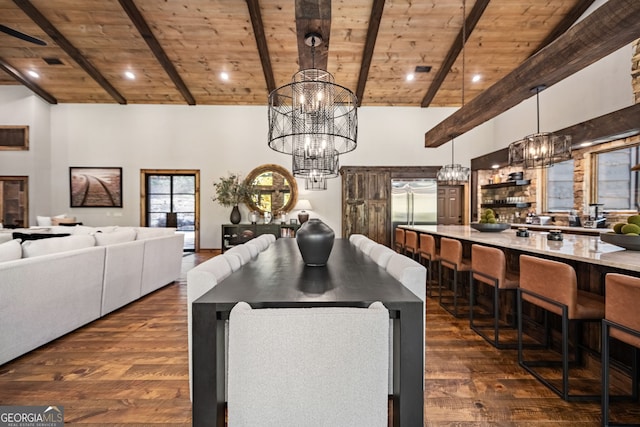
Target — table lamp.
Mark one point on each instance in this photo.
(302, 206)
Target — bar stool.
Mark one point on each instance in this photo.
(411, 244)
(399, 240)
(552, 286)
(489, 267)
(428, 254)
(451, 259)
(622, 322)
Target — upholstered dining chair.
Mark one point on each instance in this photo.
(552, 286)
(241, 250)
(356, 238)
(321, 366)
(367, 245)
(234, 260)
(489, 268)
(200, 280)
(254, 249)
(621, 322)
(260, 242)
(451, 259)
(381, 255)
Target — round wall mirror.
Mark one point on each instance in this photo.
(275, 189)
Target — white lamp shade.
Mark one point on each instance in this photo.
(302, 205)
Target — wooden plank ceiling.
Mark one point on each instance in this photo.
(177, 49)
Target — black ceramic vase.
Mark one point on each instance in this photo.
(315, 241)
(235, 215)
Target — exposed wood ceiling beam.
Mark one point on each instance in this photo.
(369, 45)
(146, 33)
(566, 23)
(70, 49)
(261, 42)
(473, 18)
(28, 83)
(607, 29)
(313, 16)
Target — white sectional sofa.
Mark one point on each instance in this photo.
(59, 284)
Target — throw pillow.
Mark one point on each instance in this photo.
(121, 236)
(66, 220)
(37, 236)
(32, 248)
(43, 221)
(10, 250)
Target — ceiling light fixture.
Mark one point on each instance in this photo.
(224, 76)
(33, 74)
(313, 119)
(541, 149)
(454, 173)
(410, 77)
(476, 78)
(129, 75)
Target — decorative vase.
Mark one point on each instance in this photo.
(235, 215)
(315, 241)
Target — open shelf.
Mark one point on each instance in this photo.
(506, 205)
(507, 184)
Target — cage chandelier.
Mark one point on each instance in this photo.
(313, 119)
(454, 173)
(541, 149)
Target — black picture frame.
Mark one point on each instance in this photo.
(95, 187)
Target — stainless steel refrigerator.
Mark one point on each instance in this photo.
(413, 202)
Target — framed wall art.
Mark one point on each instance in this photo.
(95, 187)
(14, 138)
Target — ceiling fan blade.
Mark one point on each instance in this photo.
(21, 36)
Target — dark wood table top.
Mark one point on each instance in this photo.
(279, 278)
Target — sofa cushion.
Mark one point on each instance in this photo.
(32, 248)
(120, 236)
(10, 250)
(153, 232)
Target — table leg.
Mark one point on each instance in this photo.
(208, 366)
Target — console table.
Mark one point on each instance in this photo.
(236, 234)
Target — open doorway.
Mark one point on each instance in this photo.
(171, 198)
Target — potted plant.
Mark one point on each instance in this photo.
(230, 191)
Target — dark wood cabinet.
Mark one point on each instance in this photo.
(366, 198)
(236, 234)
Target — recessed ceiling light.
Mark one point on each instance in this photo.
(129, 75)
(224, 76)
(33, 74)
(586, 144)
(476, 78)
(495, 166)
(410, 77)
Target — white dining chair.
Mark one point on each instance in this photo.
(381, 255)
(234, 260)
(367, 245)
(200, 280)
(322, 366)
(254, 249)
(356, 238)
(243, 251)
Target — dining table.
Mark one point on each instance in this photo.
(278, 278)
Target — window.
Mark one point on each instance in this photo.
(560, 187)
(617, 184)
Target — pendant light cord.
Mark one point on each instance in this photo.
(538, 108)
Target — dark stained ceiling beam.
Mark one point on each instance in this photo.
(610, 27)
(313, 16)
(473, 18)
(369, 45)
(153, 43)
(4, 65)
(566, 23)
(261, 42)
(69, 48)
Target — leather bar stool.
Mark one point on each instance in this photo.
(622, 322)
(411, 244)
(451, 259)
(399, 240)
(489, 267)
(429, 256)
(553, 286)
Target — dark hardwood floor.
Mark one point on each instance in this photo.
(131, 368)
